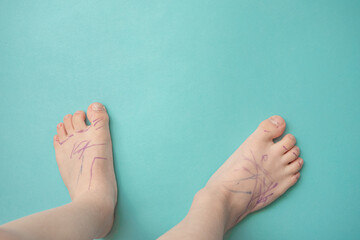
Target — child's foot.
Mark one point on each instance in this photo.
(258, 172)
(85, 160)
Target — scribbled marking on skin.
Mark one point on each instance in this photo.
(261, 177)
(248, 170)
(80, 171)
(96, 121)
(99, 127)
(92, 164)
(235, 191)
(264, 157)
(285, 148)
(79, 149)
(61, 143)
(84, 130)
(267, 131)
(294, 154)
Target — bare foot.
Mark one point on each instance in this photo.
(258, 172)
(85, 160)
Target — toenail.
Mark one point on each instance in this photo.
(59, 125)
(98, 107)
(274, 121)
(78, 112)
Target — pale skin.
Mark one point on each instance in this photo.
(254, 176)
(85, 160)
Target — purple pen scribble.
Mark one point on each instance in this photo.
(248, 171)
(263, 186)
(266, 131)
(285, 148)
(294, 154)
(79, 149)
(84, 130)
(235, 191)
(96, 121)
(80, 171)
(92, 164)
(61, 143)
(264, 195)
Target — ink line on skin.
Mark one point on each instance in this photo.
(294, 154)
(264, 189)
(81, 150)
(61, 143)
(267, 131)
(285, 148)
(92, 164)
(96, 121)
(80, 171)
(248, 170)
(84, 130)
(235, 191)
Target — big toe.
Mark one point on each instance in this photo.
(271, 128)
(97, 114)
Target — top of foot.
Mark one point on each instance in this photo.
(259, 171)
(84, 156)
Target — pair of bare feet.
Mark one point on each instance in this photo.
(256, 174)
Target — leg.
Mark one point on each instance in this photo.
(257, 173)
(84, 157)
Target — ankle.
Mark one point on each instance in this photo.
(103, 208)
(218, 198)
(214, 203)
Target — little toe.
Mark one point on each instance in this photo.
(295, 166)
(97, 115)
(56, 141)
(60, 128)
(78, 120)
(289, 182)
(272, 127)
(294, 178)
(285, 144)
(291, 155)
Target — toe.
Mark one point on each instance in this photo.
(97, 115)
(68, 124)
(78, 120)
(272, 127)
(289, 182)
(56, 141)
(294, 178)
(61, 131)
(294, 166)
(285, 144)
(291, 155)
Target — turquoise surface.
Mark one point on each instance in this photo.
(184, 82)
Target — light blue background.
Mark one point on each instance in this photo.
(185, 82)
